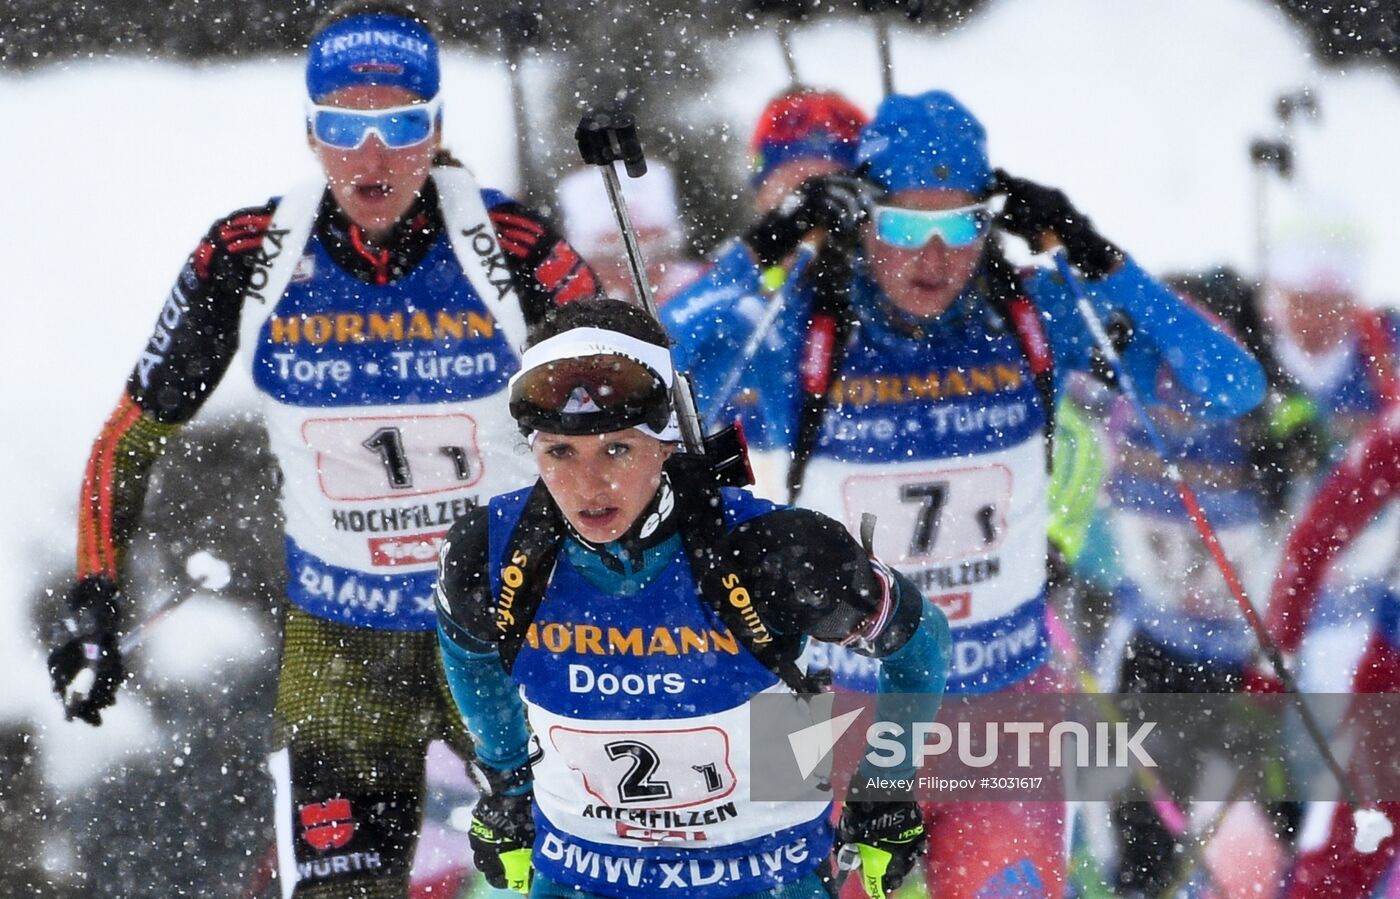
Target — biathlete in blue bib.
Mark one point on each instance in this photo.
(592, 606)
(912, 372)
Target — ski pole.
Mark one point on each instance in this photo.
(785, 13)
(785, 44)
(1172, 816)
(882, 42)
(806, 252)
(912, 9)
(519, 27)
(1204, 835)
(1275, 156)
(202, 571)
(605, 137)
(1372, 826)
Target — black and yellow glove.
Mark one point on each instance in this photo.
(502, 834)
(833, 201)
(888, 838)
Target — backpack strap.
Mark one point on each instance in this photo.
(823, 352)
(478, 250)
(723, 586)
(1376, 343)
(527, 564)
(1008, 297)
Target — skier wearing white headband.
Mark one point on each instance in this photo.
(623, 535)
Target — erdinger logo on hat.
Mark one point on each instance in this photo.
(376, 48)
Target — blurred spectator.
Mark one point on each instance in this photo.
(1340, 353)
(589, 224)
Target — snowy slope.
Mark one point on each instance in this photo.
(1139, 109)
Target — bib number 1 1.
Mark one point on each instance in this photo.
(388, 443)
(379, 458)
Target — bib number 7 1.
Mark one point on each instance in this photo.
(933, 517)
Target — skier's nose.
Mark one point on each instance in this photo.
(934, 253)
(372, 155)
(596, 483)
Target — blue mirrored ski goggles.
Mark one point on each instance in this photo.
(397, 126)
(912, 229)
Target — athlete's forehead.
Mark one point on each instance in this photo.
(929, 199)
(370, 96)
(583, 441)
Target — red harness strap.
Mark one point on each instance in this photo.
(1377, 345)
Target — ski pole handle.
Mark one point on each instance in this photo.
(202, 571)
(847, 862)
(607, 136)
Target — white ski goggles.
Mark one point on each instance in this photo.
(397, 126)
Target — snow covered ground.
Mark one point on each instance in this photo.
(1140, 109)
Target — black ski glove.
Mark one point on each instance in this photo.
(1031, 210)
(835, 202)
(502, 836)
(88, 637)
(889, 837)
(1291, 441)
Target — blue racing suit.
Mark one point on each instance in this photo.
(937, 427)
(639, 698)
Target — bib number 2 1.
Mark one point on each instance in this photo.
(653, 769)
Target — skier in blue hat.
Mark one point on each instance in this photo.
(913, 374)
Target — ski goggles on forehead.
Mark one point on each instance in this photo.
(912, 229)
(592, 381)
(397, 126)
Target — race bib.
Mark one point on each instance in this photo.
(932, 516)
(661, 769)
(379, 458)
(673, 782)
(1170, 565)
